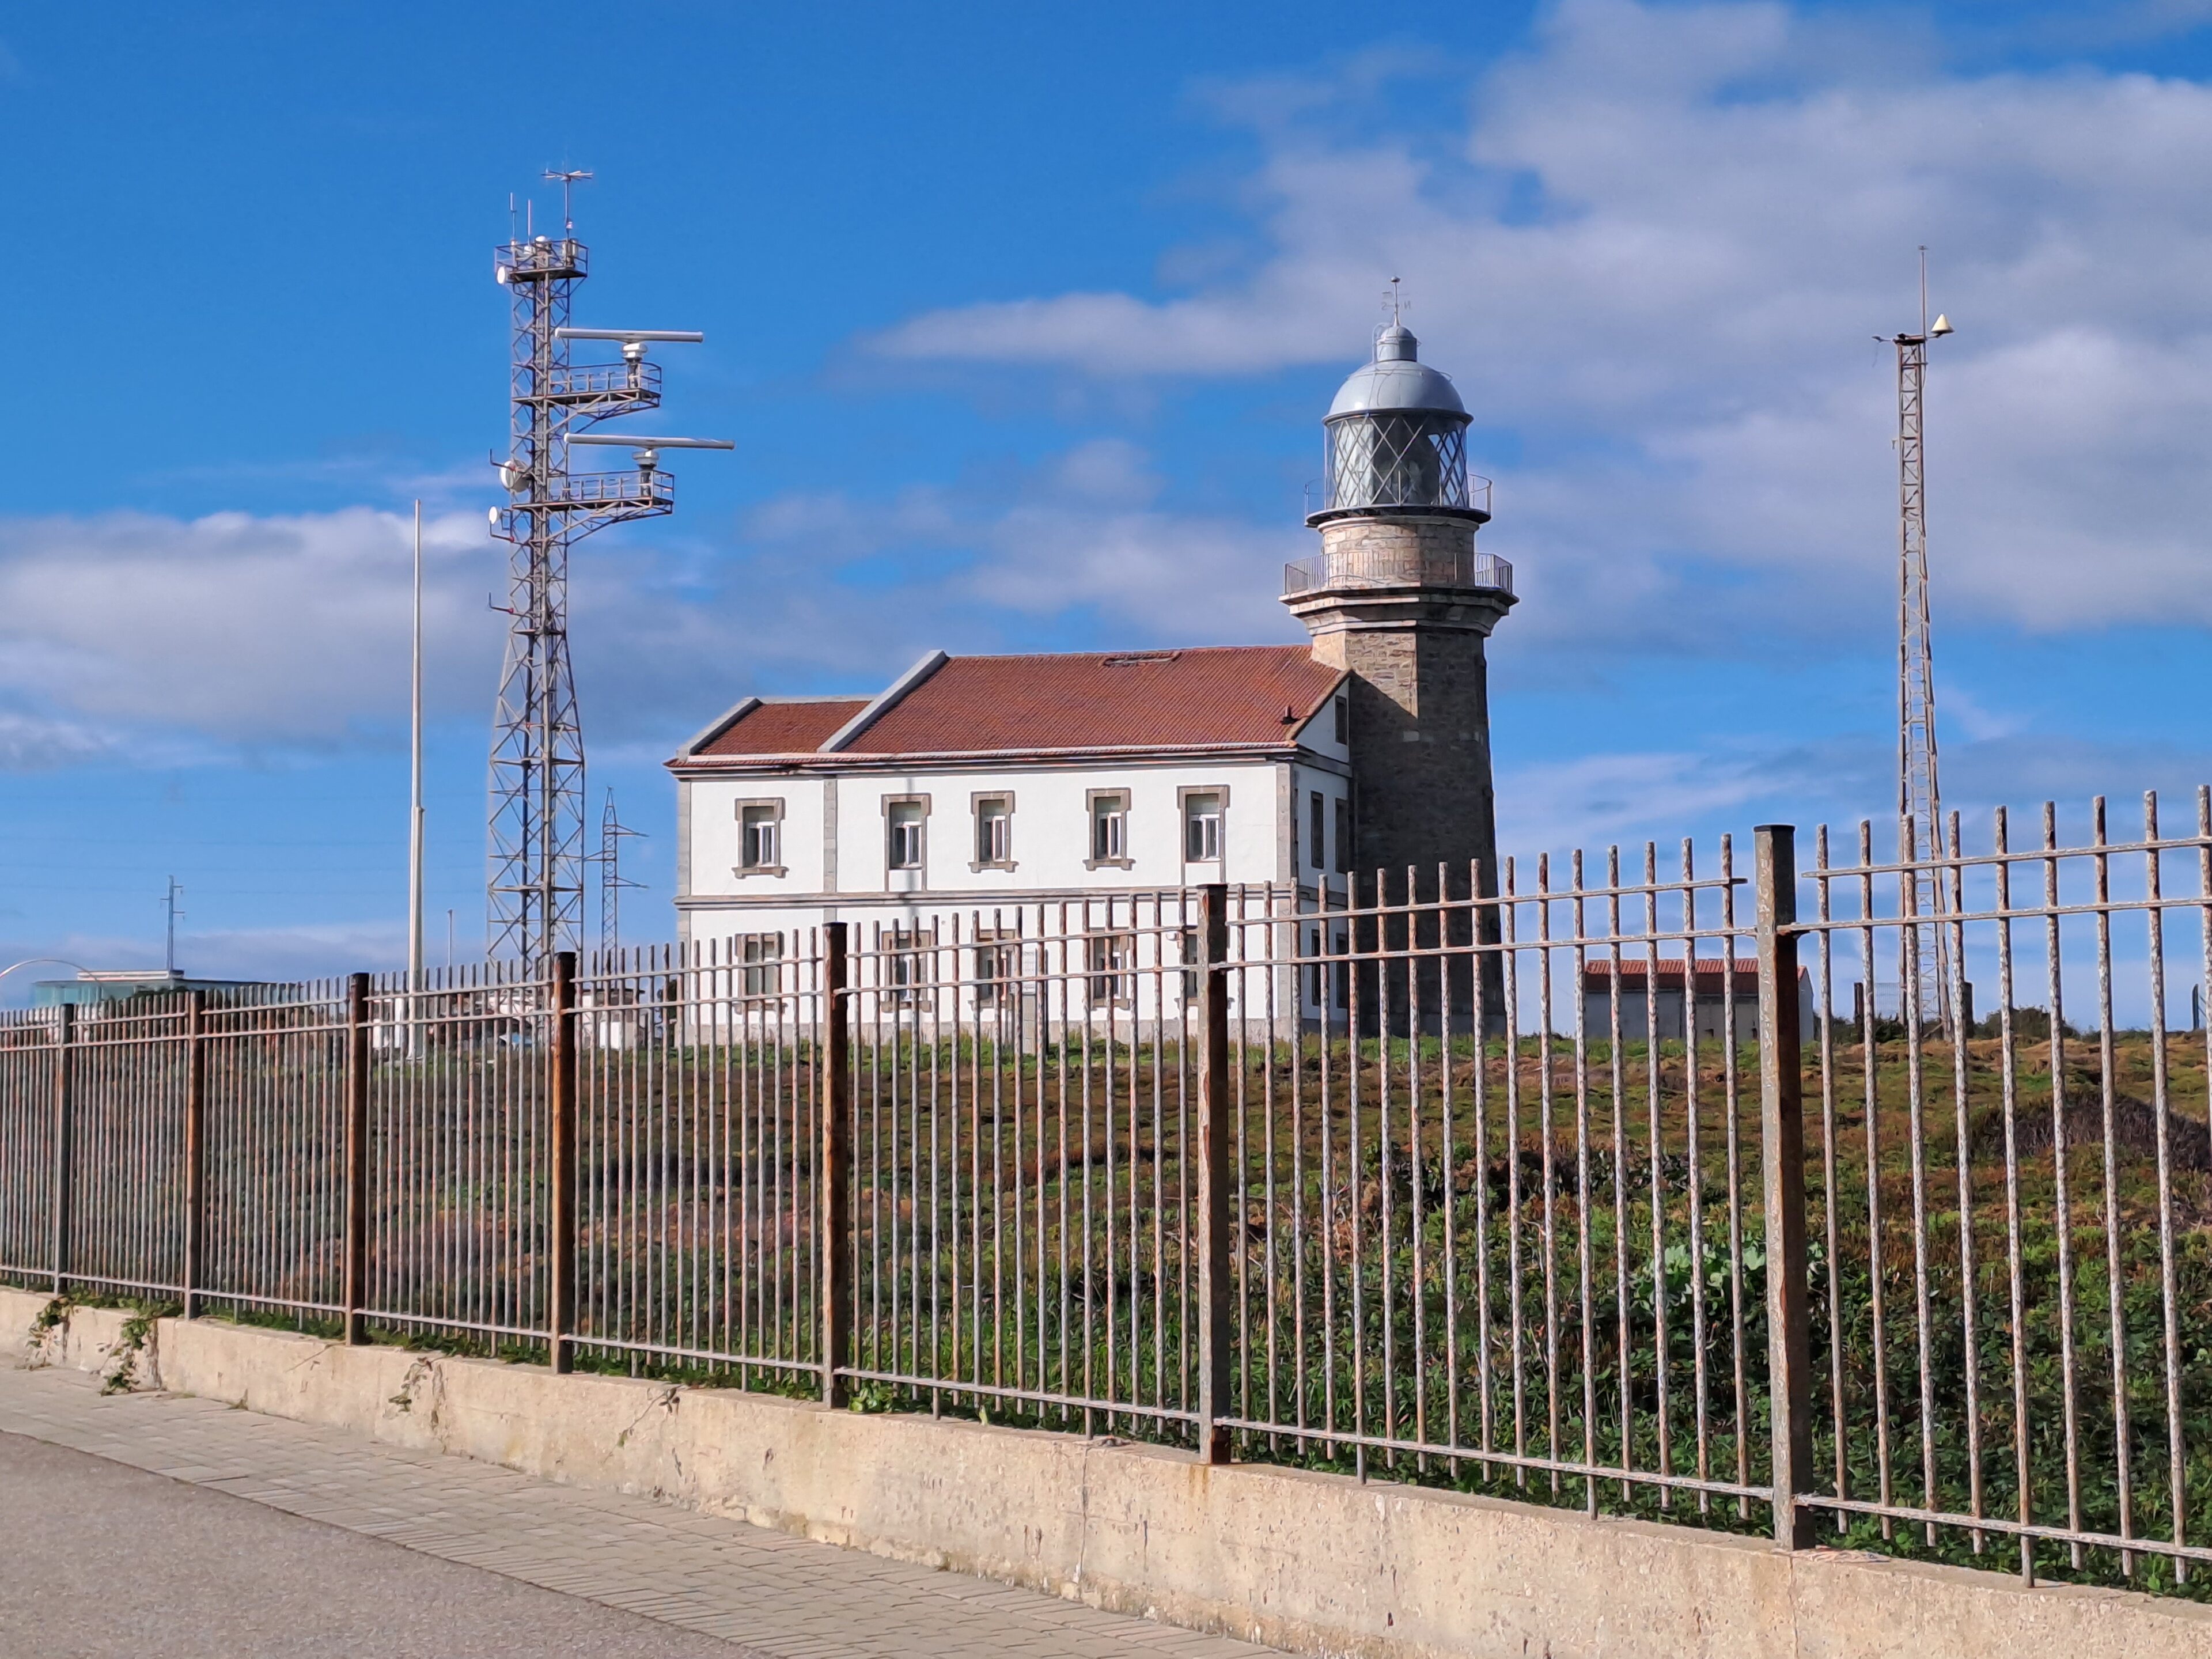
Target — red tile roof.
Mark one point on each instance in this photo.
(1597, 974)
(1214, 697)
(784, 728)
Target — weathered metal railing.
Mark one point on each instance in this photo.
(1395, 568)
(1588, 1184)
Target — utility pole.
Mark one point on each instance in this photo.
(169, 903)
(535, 888)
(414, 780)
(1919, 792)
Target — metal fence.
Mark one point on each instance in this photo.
(1638, 1188)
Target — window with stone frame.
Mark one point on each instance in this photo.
(905, 964)
(1109, 827)
(998, 969)
(760, 969)
(905, 829)
(1111, 960)
(760, 837)
(1201, 826)
(994, 832)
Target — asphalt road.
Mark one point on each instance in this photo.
(98, 1560)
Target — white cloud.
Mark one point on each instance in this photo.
(1658, 258)
(235, 627)
(34, 743)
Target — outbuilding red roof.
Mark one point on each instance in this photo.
(1213, 696)
(784, 728)
(1597, 974)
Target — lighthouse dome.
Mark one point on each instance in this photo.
(1396, 382)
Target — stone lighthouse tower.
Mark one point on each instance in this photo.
(1399, 596)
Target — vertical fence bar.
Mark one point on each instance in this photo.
(356, 1155)
(835, 1178)
(64, 1035)
(1215, 1228)
(1782, 1143)
(560, 1091)
(195, 1151)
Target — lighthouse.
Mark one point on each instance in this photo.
(1399, 600)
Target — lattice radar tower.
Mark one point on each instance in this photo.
(535, 891)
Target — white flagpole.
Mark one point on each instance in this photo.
(415, 814)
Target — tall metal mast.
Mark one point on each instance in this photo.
(535, 892)
(1919, 792)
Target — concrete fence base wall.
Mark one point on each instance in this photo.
(1318, 1564)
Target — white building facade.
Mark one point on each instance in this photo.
(981, 802)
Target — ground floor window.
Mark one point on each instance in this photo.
(1112, 960)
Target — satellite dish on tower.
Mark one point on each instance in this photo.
(1942, 327)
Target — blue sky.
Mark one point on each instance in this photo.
(1023, 319)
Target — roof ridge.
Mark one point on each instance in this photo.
(888, 699)
(1303, 647)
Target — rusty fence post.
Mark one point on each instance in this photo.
(64, 1084)
(356, 1156)
(835, 1175)
(1215, 1224)
(195, 1150)
(1782, 1156)
(560, 1314)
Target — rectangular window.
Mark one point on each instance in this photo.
(1201, 827)
(1317, 823)
(995, 831)
(1343, 971)
(1111, 959)
(903, 823)
(1109, 827)
(1313, 968)
(998, 970)
(760, 837)
(760, 957)
(905, 965)
(1343, 836)
(1343, 719)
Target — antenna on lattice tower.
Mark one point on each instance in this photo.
(535, 887)
(1924, 965)
(569, 179)
(611, 880)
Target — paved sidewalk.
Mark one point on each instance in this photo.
(775, 1594)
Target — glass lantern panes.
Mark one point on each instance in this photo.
(1413, 459)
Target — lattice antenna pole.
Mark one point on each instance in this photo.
(535, 891)
(1919, 792)
(611, 880)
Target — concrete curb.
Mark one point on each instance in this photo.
(1317, 1564)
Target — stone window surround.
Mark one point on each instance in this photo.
(1091, 800)
(1182, 820)
(760, 963)
(921, 868)
(976, 802)
(741, 869)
